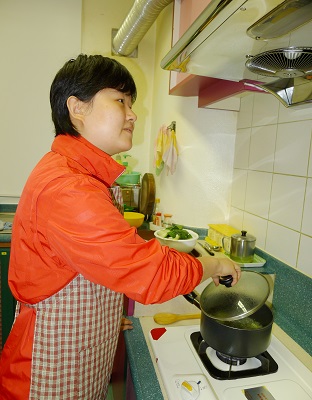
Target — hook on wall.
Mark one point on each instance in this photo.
(172, 125)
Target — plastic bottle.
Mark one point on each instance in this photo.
(157, 215)
(125, 164)
(118, 159)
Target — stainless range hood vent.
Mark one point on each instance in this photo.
(294, 66)
(290, 92)
(282, 63)
(283, 19)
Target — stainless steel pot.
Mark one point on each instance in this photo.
(234, 320)
(241, 246)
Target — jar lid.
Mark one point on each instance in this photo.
(238, 301)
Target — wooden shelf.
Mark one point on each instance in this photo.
(212, 91)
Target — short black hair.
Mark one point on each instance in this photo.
(83, 78)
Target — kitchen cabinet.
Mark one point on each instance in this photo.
(119, 372)
(8, 302)
(211, 92)
(121, 381)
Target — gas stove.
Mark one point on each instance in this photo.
(190, 369)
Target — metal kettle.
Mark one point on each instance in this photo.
(242, 247)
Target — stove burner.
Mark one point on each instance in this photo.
(267, 363)
(231, 360)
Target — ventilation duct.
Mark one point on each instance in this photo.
(140, 18)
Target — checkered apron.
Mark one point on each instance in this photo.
(75, 339)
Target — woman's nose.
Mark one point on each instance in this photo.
(132, 115)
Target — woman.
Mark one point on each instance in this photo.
(73, 254)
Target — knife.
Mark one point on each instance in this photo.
(207, 248)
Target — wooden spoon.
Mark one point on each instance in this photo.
(168, 318)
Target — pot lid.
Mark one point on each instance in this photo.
(244, 237)
(233, 303)
(147, 195)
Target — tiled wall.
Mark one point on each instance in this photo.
(272, 178)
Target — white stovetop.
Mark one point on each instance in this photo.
(148, 324)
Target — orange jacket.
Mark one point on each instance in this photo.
(65, 225)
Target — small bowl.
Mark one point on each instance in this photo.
(184, 246)
(134, 218)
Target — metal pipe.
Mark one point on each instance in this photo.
(140, 18)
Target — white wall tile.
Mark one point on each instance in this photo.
(256, 226)
(239, 188)
(287, 200)
(297, 113)
(307, 210)
(310, 162)
(265, 109)
(236, 218)
(277, 211)
(292, 148)
(282, 243)
(258, 193)
(244, 117)
(242, 145)
(262, 148)
(304, 256)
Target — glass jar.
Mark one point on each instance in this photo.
(167, 220)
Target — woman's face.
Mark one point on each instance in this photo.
(108, 121)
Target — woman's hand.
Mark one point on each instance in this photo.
(214, 267)
(227, 267)
(125, 324)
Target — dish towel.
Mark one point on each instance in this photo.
(166, 150)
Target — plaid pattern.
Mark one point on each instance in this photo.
(117, 198)
(76, 335)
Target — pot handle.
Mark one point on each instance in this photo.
(193, 298)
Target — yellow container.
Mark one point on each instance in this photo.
(217, 232)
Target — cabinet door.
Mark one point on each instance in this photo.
(7, 300)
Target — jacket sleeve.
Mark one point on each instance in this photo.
(88, 235)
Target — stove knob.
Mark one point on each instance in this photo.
(189, 390)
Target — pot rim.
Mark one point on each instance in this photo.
(264, 306)
(235, 308)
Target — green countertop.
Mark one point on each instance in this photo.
(143, 373)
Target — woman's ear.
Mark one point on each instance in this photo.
(76, 108)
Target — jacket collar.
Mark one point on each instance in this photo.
(89, 157)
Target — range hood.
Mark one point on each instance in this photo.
(230, 34)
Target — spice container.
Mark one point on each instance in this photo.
(167, 220)
(157, 215)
